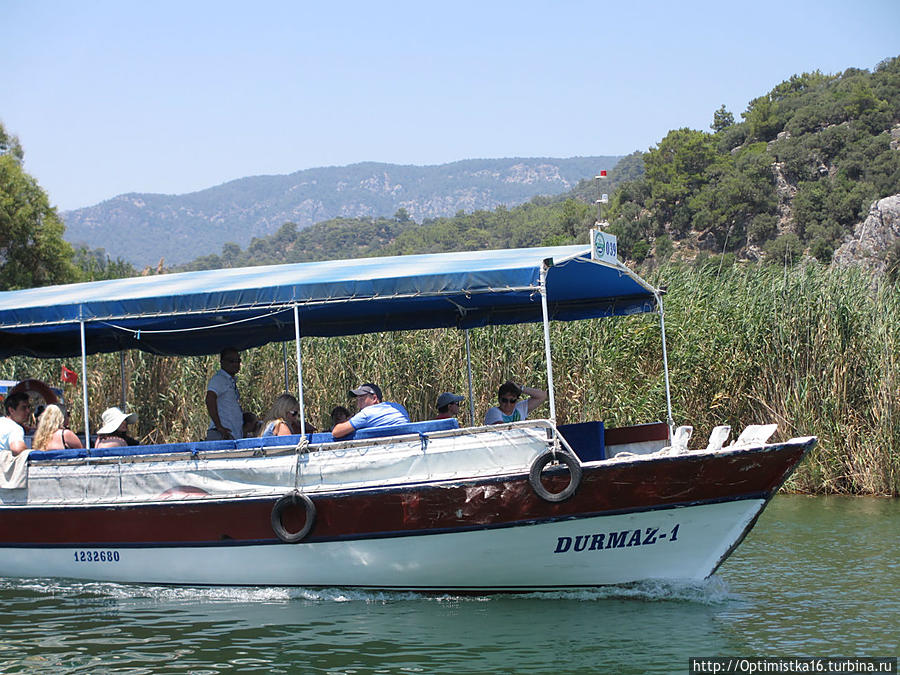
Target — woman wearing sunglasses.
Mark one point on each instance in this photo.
(511, 406)
(281, 416)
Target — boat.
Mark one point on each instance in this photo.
(426, 506)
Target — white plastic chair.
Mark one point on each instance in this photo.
(680, 439)
(718, 437)
(755, 434)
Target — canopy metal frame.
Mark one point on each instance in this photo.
(441, 283)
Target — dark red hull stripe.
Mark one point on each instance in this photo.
(272, 539)
(637, 434)
(402, 511)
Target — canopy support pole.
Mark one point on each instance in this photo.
(122, 375)
(471, 390)
(299, 369)
(546, 317)
(287, 381)
(662, 328)
(84, 391)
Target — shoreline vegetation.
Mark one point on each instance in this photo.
(813, 348)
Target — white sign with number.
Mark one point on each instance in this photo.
(604, 247)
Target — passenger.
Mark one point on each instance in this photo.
(223, 403)
(448, 405)
(373, 412)
(510, 408)
(339, 414)
(114, 432)
(12, 426)
(52, 433)
(297, 429)
(252, 425)
(282, 413)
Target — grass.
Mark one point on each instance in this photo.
(816, 350)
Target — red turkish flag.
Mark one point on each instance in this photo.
(69, 376)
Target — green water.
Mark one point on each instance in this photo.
(817, 577)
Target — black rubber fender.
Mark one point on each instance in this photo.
(542, 460)
(291, 499)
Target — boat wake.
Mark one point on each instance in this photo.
(713, 591)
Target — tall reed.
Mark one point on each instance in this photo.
(814, 349)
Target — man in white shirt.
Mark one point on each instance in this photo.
(12, 427)
(510, 408)
(223, 403)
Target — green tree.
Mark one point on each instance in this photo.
(785, 250)
(762, 116)
(10, 145)
(722, 119)
(95, 264)
(32, 249)
(674, 170)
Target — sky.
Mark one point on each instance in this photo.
(115, 96)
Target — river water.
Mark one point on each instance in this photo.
(818, 576)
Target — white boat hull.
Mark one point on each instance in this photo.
(684, 543)
(458, 512)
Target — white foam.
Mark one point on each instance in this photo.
(710, 592)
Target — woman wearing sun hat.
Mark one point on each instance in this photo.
(114, 431)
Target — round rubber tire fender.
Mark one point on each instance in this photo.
(278, 527)
(542, 460)
(38, 387)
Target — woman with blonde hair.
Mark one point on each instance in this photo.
(52, 433)
(281, 416)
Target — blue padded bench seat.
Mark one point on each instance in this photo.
(400, 429)
(126, 451)
(246, 443)
(586, 438)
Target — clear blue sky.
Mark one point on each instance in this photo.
(115, 96)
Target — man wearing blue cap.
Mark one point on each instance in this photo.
(448, 405)
(373, 412)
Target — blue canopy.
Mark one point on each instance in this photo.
(204, 312)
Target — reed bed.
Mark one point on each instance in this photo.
(816, 350)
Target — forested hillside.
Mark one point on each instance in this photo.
(792, 178)
(144, 228)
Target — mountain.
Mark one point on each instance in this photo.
(143, 228)
(813, 170)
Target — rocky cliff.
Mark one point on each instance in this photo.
(874, 240)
